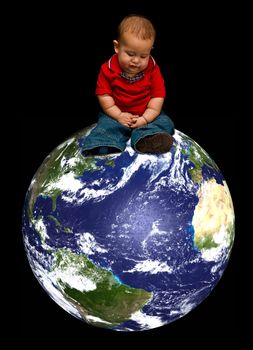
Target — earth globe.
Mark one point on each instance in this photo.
(128, 241)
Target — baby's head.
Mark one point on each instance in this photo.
(137, 25)
(136, 36)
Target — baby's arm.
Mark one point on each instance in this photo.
(108, 105)
(153, 109)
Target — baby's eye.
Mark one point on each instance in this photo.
(144, 56)
(131, 54)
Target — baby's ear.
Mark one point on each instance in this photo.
(116, 46)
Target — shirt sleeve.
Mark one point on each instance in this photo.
(157, 83)
(103, 82)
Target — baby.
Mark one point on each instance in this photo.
(130, 90)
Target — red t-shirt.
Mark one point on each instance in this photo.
(130, 97)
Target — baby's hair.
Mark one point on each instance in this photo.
(138, 25)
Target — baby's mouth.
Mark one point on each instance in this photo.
(134, 68)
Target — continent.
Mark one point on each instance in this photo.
(96, 291)
(59, 172)
(213, 218)
(198, 157)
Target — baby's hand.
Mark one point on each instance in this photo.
(127, 119)
(133, 120)
(138, 122)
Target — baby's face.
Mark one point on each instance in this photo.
(133, 53)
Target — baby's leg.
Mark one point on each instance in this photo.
(108, 136)
(155, 137)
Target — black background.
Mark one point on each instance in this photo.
(59, 53)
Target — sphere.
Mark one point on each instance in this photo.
(128, 241)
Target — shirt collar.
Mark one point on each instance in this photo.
(131, 80)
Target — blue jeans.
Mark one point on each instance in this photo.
(108, 132)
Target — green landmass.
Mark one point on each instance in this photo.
(56, 221)
(59, 225)
(110, 162)
(110, 301)
(52, 170)
(206, 242)
(198, 157)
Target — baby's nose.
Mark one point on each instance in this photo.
(135, 59)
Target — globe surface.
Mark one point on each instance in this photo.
(128, 241)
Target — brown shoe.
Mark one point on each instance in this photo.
(158, 143)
